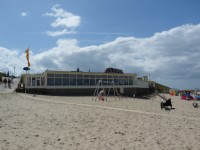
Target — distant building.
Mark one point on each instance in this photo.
(84, 83)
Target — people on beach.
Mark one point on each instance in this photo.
(101, 95)
(5, 81)
(8, 74)
(9, 83)
(166, 103)
(12, 79)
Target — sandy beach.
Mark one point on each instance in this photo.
(38, 122)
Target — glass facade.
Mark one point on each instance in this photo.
(87, 80)
(73, 79)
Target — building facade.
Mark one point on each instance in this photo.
(83, 83)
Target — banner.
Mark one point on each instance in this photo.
(27, 57)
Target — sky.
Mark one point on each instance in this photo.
(157, 38)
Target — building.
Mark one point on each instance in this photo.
(84, 83)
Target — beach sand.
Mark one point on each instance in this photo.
(38, 122)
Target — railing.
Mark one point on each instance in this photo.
(144, 84)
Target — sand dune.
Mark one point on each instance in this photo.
(55, 122)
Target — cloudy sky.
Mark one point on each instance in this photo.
(160, 38)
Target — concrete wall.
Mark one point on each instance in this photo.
(87, 92)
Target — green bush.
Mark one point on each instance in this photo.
(1, 75)
(162, 88)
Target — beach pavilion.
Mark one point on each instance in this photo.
(84, 83)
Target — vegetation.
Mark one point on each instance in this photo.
(21, 78)
(162, 88)
(1, 75)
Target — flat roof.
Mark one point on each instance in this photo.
(81, 72)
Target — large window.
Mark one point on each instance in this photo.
(97, 80)
(66, 75)
(121, 80)
(130, 80)
(79, 79)
(72, 79)
(65, 81)
(110, 81)
(33, 81)
(50, 81)
(58, 81)
(116, 81)
(50, 75)
(125, 80)
(38, 81)
(29, 81)
(86, 80)
(105, 81)
(58, 75)
(92, 82)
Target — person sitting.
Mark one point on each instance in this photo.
(166, 103)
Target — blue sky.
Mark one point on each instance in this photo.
(156, 37)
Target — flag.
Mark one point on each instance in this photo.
(27, 56)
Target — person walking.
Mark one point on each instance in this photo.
(9, 83)
(5, 81)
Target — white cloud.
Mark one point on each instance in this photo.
(58, 33)
(170, 57)
(10, 59)
(23, 14)
(64, 19)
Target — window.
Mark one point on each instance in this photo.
(50, 81)
(29, 81)
(130, 81)
(116, 77)
(104, 76)
(33, 81)
(92, 76)
(121, 81)
(65, 75)
(109, 76)
(72, 75)
(97, 80)
(86, 76)
(38, 81)
(58, 75)
(50, 75)
(73, 81)
(110, 81)
(86, 82)
(116, 81)
(65, 81)
(92, 81)
(98, 76)
(79, 81)
(105, 81)
(79, 76)
(125, 81)
(58, 81)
